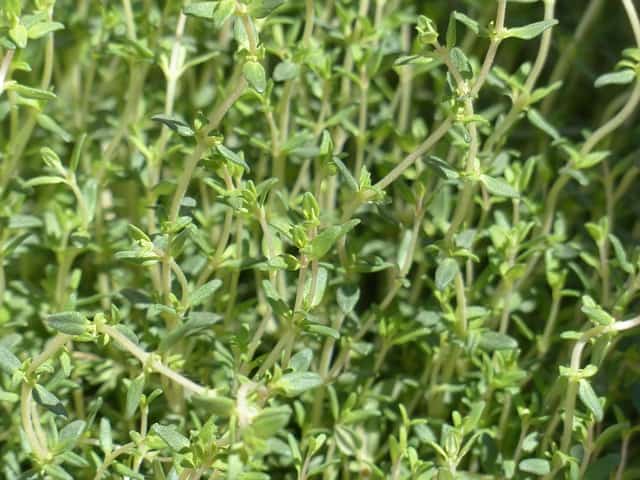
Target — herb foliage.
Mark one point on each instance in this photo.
(253, 239)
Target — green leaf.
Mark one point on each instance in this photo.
(590, 399)
(175, 124)
(344, 171)
(499, 187)
(204, 292)
(262, 8)
(296, 383)
(57, 472)
(497, 341)
(105, 436)
(255, 75)
(51, 125)
(48, 400)
(70, 434)
(301, 361)
(470, 23)
(9, 363)
(134, 395)
(197, 322)
(29, 92)
(224, 11)
(285, 70)
(232, 156)
(322, 243)
(271, 421)
(403, 249)
(622, 77)
(217, 405)
(540, 122)
(279, 306)
(595, 312)
(537, 466)
(77, 152)
(19, 35)
(201, 9)
(347, 297)
(174, 439)
(41, 29)
(70, 323)
(530, 31)
(322, 330)
(44, 180)
(24, 221)
(590, 160)
(445, 273)
(127, 472)
(451, 32)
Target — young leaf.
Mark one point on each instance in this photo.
(41, 29)
(539, 121)
(70, 434)
(175, 124)
(347, 297)
(270, 421)
(204, 292)
(30, 92)
(301, 361)
(174, 439)
(322, 243)
(51, 125)
(9, 363)
(342, 168)
(255, 75)
(134, 394)
(105, 436)
(201, 9)
(530, 31)
(285, 70)
(70, 323)
(537, 466)
(44, 180)
(497, 341)
(48, 400)
(622, 77)
(296, 383)
(445, 273)
(223, 12)
(590, 399)
(499, 187)
(262, 8)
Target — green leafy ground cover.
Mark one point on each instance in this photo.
(337, 239)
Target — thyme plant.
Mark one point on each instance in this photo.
(333, 239)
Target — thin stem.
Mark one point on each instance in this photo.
(576, 355)
(182, 280)
(410, 159)
(251, 38)
(38, 447)
(149, 360)
(615, 122)
(624, 453)
(129, 20)
(4, 67)
(493, 48)
(190, 164)
(308, 22)
(569, 52)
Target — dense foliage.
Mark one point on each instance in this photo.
(291, 239)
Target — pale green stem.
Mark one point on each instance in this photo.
(152, 362)
(4, 67)
(410, 159)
